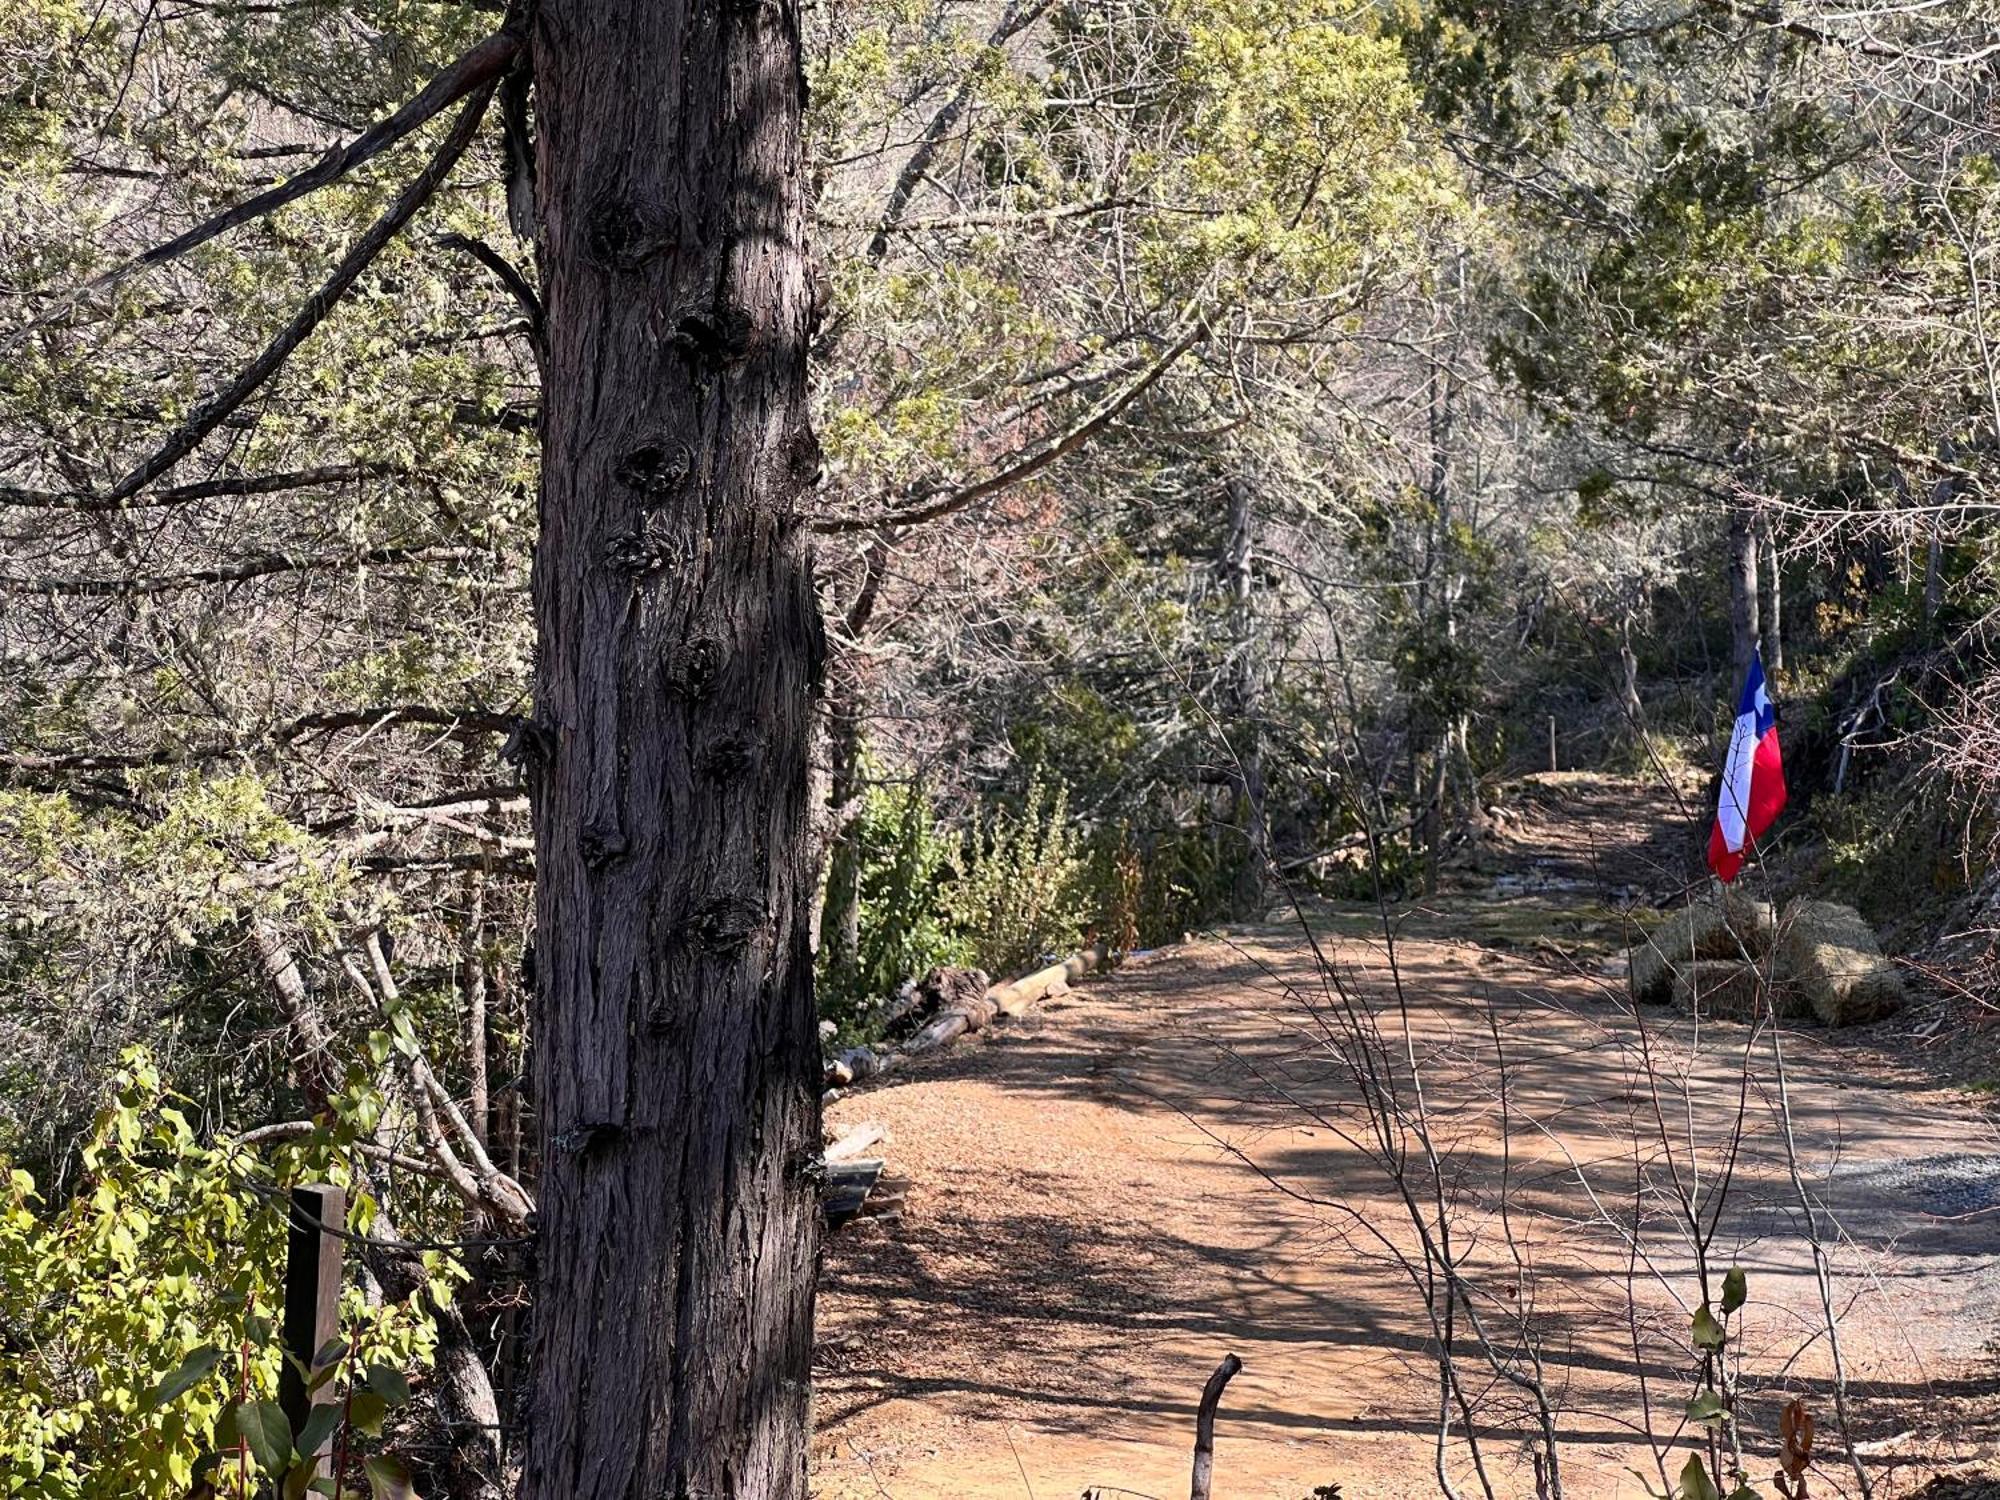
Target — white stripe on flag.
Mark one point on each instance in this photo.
(1734, 806)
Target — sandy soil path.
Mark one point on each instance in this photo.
(1171, 1164)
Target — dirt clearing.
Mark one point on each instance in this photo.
(1172, 1164)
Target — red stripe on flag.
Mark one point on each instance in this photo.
(1726, 862)
(1767, 785)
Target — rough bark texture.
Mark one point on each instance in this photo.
(680, 649)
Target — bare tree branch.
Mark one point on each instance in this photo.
(451, 720)
(1774, 17)
(1025, 468)
(510, 277)
(205, 489)
(241, 572)
(210, 414)
(474, 70)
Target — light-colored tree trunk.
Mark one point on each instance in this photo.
(478, 1086)
(1437, 599)
(1245, 679)
(1771, 617)
(1742, 567)
(1629, 702)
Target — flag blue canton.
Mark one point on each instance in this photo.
(1756, 701)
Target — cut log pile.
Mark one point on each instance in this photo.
(1736, 957)
(855, 1185)
(948, 1003)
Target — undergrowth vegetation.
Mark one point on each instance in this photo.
(139, 1314)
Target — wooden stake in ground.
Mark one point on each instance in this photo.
(312, 1306)
(1204, 1425)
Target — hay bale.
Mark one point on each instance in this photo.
(1828, 953)
(1733, 989)
(1725, 987)
(1731, 925)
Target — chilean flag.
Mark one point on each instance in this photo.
(1753, 778)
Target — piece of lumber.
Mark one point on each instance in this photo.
(314, 1247)
(856, 1139)
(887, 1196)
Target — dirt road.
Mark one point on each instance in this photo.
(1173, 1163)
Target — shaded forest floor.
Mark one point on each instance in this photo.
(1163, 1167)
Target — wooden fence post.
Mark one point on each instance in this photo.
(312, 1304)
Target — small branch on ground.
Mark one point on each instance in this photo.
(1204, 1425)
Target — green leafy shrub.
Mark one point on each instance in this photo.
(1186, 879)
(1013, 886)
(1890, 851)
(1021, 891)
(906, 861)
(138, 1318)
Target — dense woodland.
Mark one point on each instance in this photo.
(552, 557)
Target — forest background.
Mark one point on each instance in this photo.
(1250, 433)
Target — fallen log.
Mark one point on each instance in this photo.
(1018, 996)
(965, 1012)
(954, 1021)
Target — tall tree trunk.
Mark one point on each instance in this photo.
(837, 922)
(1743, 630)
(680, 648)
(840, 913)
(1434, 815)
(1772, 614)
(479, 1086)
(1629, 702)
(1437, 591)
(1245, 678)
